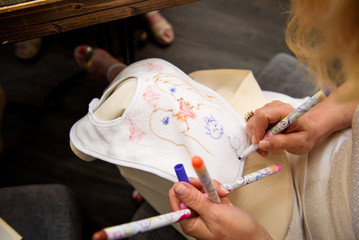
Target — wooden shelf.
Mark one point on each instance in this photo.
(45, 17)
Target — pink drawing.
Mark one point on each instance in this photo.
(136, 134)
(185, 112)
(151, 96)
(153, 67)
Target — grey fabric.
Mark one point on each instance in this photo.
(169, 232)
(285, 74)
(41, 211)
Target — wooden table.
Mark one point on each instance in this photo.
(40, 18)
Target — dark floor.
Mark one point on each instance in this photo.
(46, 96)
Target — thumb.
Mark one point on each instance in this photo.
(192, 197)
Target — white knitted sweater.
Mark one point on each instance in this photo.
(327, 188)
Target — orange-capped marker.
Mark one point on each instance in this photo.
(205, 179)
(197, 162)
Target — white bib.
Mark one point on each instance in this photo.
(169, 119)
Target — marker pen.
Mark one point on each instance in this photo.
(205, 179)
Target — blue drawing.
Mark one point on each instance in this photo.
(235, 148)
(165, 120)
(213, 127)
(172, 90)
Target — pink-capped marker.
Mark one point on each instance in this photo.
(129, 229)
(253, 177)
(247, 179)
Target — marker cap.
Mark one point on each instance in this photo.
(181, 173)
(197, 162)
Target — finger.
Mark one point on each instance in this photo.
(174, 201)
(263, 153)
(192, 197)
(189, 225)
(249, 128)
(226, 201)
(221, 190)
(260, 115)
(296, 143)
(270, 114)
(195, 182)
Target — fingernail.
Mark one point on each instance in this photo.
(254, 139)
(223, 189)
(264, 145)
(263, 153)
(181, 190)
(183, 206)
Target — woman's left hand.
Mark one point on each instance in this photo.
(213, 220)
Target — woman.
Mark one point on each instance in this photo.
(325, 36)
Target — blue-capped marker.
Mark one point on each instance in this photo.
(181, 173)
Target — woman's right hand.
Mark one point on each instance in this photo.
(298, 138)
(313, 127)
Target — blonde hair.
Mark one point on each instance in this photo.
(324, 34)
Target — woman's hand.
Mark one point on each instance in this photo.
(310, 129)
(213, 220)
(264, 118)
(298, 138)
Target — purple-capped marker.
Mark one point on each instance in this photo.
(181, 173)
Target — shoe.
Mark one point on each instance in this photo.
(137, 197)
(140, 38)
(160, 29)
(29, 49)
(83, 55)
